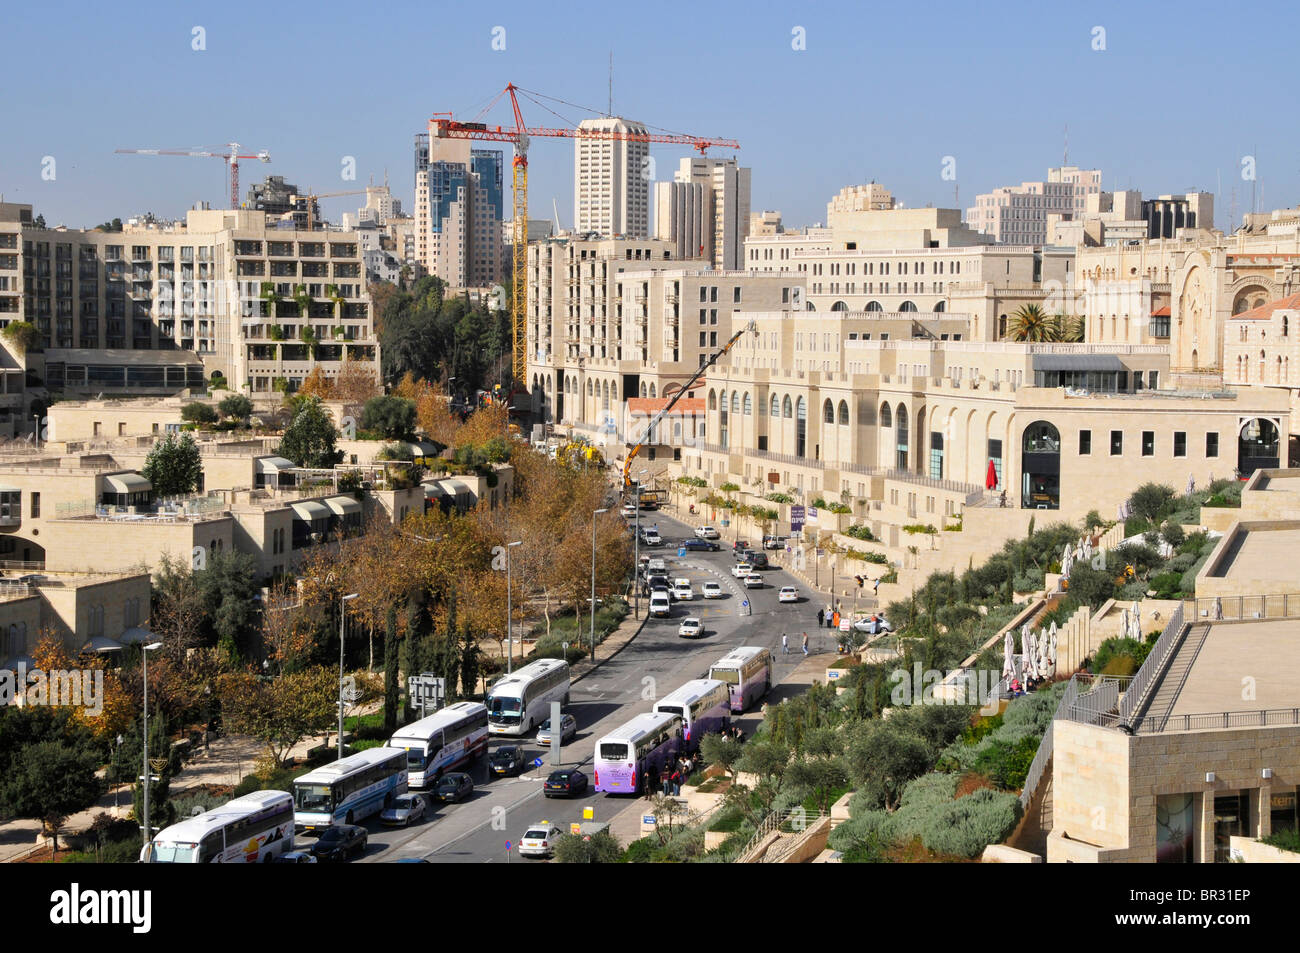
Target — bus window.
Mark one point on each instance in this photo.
(612, 751)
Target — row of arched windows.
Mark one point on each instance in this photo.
(779, 407)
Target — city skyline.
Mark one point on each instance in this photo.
(973, 105)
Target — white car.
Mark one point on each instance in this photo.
(656, 565)
(690, 629)
(659, 604)
(539, 840)
(788, 594)
(707, 532)
(754, 581)
(873, 627)
(712, 590)
(741, 570)
(628, 511)
(682, 591)
(651, 537)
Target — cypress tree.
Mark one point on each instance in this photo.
(392, 684)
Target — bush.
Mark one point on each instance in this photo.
(236, 406)
(196, 412)
(1287, 839)
(1090, 586)
(1113, 649)
(1150, 501)
(600, 848)
(860, 531)
(281, 779)
(1093, 520)
(1188, 582)
(394, 417)
(1030, 581)
(779, 498)
(966, 826)
(1007, 763)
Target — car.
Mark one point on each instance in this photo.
(506, 760)
(873, 625)
(660, 606)
(403, 810)
(566, 782)
(539, 840)
(712, 590)
(340, 842)
(628, 511)
(690, 629)
(753, 581)
(699, 545)
(682, 591)
(453, 787)
(788, 594)
(741, 570)
(740, 545)
(295, 857)
(657, 582)
(657, 564)
(568, 729)
(651, 537)
(774, 542)
(758, 560)
(707, 532)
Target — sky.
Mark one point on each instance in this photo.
(1162, 97)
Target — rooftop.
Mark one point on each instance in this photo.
(1263, 651)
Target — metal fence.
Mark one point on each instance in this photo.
(1096, 701)
(1155, 662)
(1044, 752)
(1265, 717)
(1284, 605)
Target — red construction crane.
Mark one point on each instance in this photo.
(231, 157)
(443, 126)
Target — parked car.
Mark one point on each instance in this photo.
(453, 787)
(707, 532)
(340, 842)
(403, 810)
(712, 590)
(699, 545)
(682, 591)
(568, 729)
(657, 564)
(296, 857)
(660, 606)
(567, 782)
(753, 581)
(628, 511)
(539, 840)
(506, 760)
(741, 570)
(788, 594)
(873, 625)
(690, 629)
(774, 542)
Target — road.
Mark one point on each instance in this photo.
(655, 663)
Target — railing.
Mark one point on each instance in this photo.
(1155, 662)
(1045, 747)
(1099, 703)
(783, 848)
(772, 822)
(1260, 718)
(1284, 605)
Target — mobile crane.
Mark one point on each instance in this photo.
(645, 436)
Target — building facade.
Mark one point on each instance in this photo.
(1018, 214)
(611, 179)
(459, 206)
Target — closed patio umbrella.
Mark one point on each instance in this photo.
(1135, 620)
(991, 478)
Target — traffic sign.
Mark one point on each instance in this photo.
(745, 604)
(537, 762)
(507, 845)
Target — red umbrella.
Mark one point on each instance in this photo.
(991, 480)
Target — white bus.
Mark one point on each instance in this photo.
(255, 827)
(747, 671)
(521, 701)
(704, 705)
(349, 790)
(446, 739)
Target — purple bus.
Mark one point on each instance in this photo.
(704, 705)
(747, 672)
(641, 746)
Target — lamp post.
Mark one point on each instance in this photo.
(144, 654)
(37, 418)
(343, 614)
(636, 550)
(510, 649)
(594, 514)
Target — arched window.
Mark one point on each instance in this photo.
(645, 391)
(713, 399)
(810, 307)
(1040, 467)
(900, 436)
(886, 416)
(1286, 325)
(786, 407)
(1042, 437)
(590, 388)
(907, 306)
(839, 306)
(939, 307)
(828, 412)
(776, 407)
(801, 428)
(844, 413)
(749, 405)
(735, 402)
(652, 391)
(874, 306)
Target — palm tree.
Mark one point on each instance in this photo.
(1069, 328)
(1029, 323)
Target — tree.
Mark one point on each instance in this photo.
(356, 382)
(174, 465)
(39, 222)
(392, 682)
(178, 616)
(1150, 499)
(196, 412)
(236, 407)
(392, 417)
(280, 712)
(22, 336)
(227, 588)
(1030, 323)
(599, 848)
(882, 758)
(309, 439)
(722, 751)
(114, 226)
(48, 781)
(317, 384)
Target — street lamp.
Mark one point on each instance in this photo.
(510, 649)
(636, 549)
(594, 514)
(343, 614)
(37, 418)
(144, 654)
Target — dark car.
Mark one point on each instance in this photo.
(340, 842)
(740, 546)
(454, 787)
(758, 560)
(567, 782)
(506, 760)
(702, 545)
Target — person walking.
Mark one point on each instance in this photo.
(645, 785)
(805, 644)
(821, 618)
(785, 644)
(676, 779)
(666, 780)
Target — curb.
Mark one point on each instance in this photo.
(626, 642)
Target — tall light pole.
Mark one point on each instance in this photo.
(144, 654)
(636, 550)
(510, 648)
(343, 614)
(594, 514)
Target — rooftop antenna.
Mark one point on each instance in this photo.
(1065, 159)
(1254, 150)
(611, 84)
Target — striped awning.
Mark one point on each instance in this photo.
(310, 510)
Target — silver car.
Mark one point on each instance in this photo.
(568, 729)
(403, 810)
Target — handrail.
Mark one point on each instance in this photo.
(782, 849)
(1202, 721)
(1045, 747)
(1156, 661)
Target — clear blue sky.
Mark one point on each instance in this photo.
(1178, 96)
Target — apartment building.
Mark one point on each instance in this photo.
(705, 210)
(284, 201)
(458, 210)
(1018, 214)
(161, 310)
(94, 612)
(611, 179)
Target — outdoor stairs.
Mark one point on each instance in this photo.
(1031, 833)
(1161, 698)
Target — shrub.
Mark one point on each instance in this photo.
(840, 508)
(1167, 585)
(196, 412)
(860, 531)
(1029, 581)
(236, 406)
(1150, 501)
(966, 826)
(1090, 586)
(1007, 763)
(1093, 520)
(1286, 839)
(779, 498)
(1188, 582)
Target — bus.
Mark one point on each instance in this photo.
(747, 672)
(704, 706)
(446, 739)
(349, 790)
(257, 827)
(520, 701)
(641, 746)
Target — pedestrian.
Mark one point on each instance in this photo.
(785, 644)
(805, 644)
(676, 779)
(821, 618)
(835, 620)
(875, 586)
(666, 780)
(645, 784)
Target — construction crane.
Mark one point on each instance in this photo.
(311, 198)
(231, 158)
(444, 126)
(750, 328)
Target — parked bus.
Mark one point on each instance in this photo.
(747, 672)
(704, 705)
(521, 701)
(641, 746)
(349, 790)
(453, 736)
(257, 827)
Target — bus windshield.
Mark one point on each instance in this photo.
(312, 797)
(614, 751)
(415, 759)
(504, 709)
(729, 675)
(170, 853)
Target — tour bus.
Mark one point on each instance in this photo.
(349, 790)
(446, 739)
(704, 706)
(641, 746)
(521, 701)
(257, 827)
(747, 672)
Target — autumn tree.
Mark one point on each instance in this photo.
(317, 385)
(356, 382)
(104, 706)
(280, 712)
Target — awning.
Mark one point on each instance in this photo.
(101, 643)
(342, 505)
(455, 488)
(128, 483)
(311, 510)
(433, 491)
(136, 634)
(274, 464)
(1078, 362)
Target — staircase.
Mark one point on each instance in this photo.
(1162, 698)
(778, 835)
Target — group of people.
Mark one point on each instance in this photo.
(1031, 684)
(785, 646)
(671, 776)
(828, 617)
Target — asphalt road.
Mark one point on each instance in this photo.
(655, 663)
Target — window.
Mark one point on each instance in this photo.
(1211, 444)
(36, 504)
(1116, 443)
(1148, 443)
(1180, 443)
(1085, 442)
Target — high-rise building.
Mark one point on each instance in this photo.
(711, 197)
(283, 200)
(681, 209)
(458, 210)
(611, 180)
(1017, 214)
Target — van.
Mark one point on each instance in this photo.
(660, 606)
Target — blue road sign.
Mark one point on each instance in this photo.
(507, 845)
(681, 550)
(537, 762)
(745, 604)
